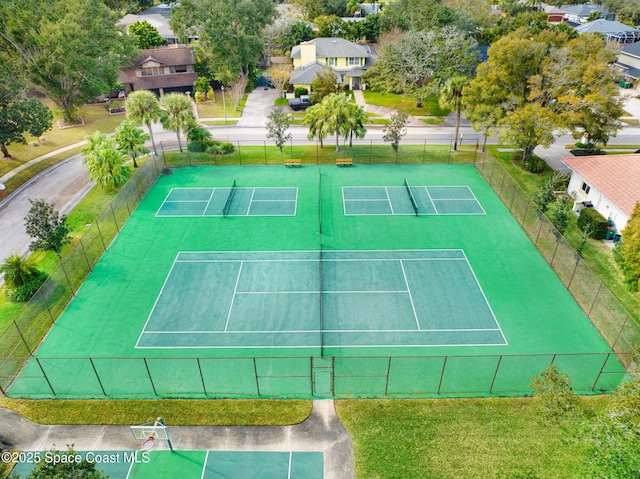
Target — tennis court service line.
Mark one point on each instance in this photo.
(233, 297)
(413, 306)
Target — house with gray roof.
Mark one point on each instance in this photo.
(159, 17)
(612, 31)
(580, 13)
(628, 64)
(348, 60)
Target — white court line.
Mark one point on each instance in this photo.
(289, 471)
(323, 292)
(413, 306)
(386, 190)
(131, 465)
(426, 190)
(156, 301)
(208, 202)
(315, 331)
(485, 300)
(204, 468)
(233, 296)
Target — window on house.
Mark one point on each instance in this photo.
(353, 61)
(332, 61)
(153, 71)
(585, 187)
(178, 69)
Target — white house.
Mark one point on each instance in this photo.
(611, 183)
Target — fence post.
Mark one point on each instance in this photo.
(370, 151)
(104, 247)
(575, 268)
(204, 387)
(84, 252)
(67, 277)
(45, 377)
(255, 371)
(444, 365)
(620, 332)
(526, 210)
(153, 386)
(114, 216)
(595, 298)
(386, 386)
(46, 305)
(495, 374)
(22, 337)
(424, 150)
(265, 152)
(606, 359)
(515, 190)
(97, 376)
(239, 153)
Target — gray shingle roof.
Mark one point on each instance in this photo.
(605, 26)
(328, 47)
(632, 49)
(306, 74)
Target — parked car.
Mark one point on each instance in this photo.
(301, 103)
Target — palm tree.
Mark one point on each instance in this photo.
(315, 118)
(131, 140)
(105, 161)
(337, 120)
(357, 117)
(178, 113)
(18, 271)
(143, 108)
(352, 7)
(451, 97)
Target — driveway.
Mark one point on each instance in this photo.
(258, 107)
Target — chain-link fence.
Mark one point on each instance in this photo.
(345, 377)
(310, 376)
(23, 335)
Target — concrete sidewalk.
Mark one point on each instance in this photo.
(320, 432)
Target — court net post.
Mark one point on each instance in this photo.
(414, 204)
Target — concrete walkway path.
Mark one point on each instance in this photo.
(320, 432)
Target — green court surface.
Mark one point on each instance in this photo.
(371, 281)
(198, 464)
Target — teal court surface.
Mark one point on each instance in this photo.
(199, 464)
(369, 298)
(371, 281)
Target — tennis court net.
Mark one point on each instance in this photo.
(227, 204)
(414, 204)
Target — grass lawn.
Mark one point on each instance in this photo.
(244, 412)
(95, 116)
(281, 102)
(432, 121)
(216, 109)
(459, 438)
(219, 122)
(404, 103)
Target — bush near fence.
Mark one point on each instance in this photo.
(20, 339)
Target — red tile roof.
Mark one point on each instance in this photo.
(615, 176)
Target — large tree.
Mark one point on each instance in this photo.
(534, 85)
(146, 35)
(177, 114)
(47, 227)
(143, 109)
(70, 50)
(18, 115)
(416, 15)
(418, 62)
(627, 253)
(230, 32)
(278, 128)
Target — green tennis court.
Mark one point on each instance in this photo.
(201, 464)
(371, 281)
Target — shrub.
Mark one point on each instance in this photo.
(592, 221)
(298, 92)
(199, 96)
(25, 292)
(534, 164)
(199, 139)
(221, 148)
(211, 95)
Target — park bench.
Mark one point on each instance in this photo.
(296, 162)
(344, 162)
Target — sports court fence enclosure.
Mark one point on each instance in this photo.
(333, 376)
